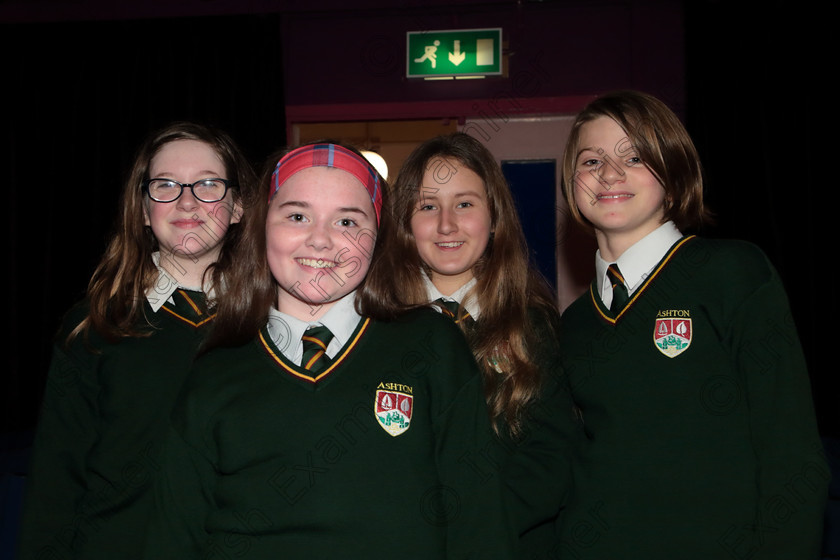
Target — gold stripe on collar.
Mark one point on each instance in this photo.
(596, 301)
(293, 370)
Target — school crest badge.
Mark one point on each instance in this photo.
(393, 408)
(672, 332)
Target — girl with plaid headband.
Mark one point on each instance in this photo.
(458, 239)
(124, 352)
(322, 422)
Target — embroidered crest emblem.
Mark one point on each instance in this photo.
(393, 409)
(672, 332)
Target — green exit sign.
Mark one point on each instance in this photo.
(455, 52)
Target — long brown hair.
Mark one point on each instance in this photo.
(507, 286)
(117, 289)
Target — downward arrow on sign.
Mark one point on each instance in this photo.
(457, 57)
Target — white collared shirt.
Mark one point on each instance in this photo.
(637, 262)
(286, 331)
(470, 303)
(165, 286)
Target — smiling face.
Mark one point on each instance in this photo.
(189, 232)
(320, 234)
(451, 225)
(614, 190)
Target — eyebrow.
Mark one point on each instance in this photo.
(352, 209)
(295, 203)
(341, 210)
(435, 195)
(204, 172)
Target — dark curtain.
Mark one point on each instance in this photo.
(78, 98)
(752, 110)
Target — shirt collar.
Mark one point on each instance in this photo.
(165, 285)
(638, 261)
(462, 295)
(286, 331)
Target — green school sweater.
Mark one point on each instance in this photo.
(103, 418)
(371, 459)
(701, 440)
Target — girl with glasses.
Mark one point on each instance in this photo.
(122, 353)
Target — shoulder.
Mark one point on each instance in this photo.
(74, 316)
(422, 327)
(85, 341)
(581, 304)
(221, 358)
(725, 250)
(218, 378)
(421, 319)
(423, 335)
(734, 262)
(732, 281)
(222, 366)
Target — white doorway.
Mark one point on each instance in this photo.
(538, 140)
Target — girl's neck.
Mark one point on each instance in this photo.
(448, 285)
(186, 270)
(613, 244)
(309, 312)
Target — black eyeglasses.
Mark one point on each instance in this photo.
(205, 190)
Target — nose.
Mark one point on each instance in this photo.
(187, 200)
(609, 172)
(319, 237)
(447, 221)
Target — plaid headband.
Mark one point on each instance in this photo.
(328, 155)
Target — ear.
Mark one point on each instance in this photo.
(146, 220)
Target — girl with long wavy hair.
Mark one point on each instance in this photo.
(124, 351)
(458, 244)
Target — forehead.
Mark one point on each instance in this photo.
(186, 153)
(599, 131)
(450, 176)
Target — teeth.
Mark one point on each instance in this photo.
(316, 263)
(451, 244)
(614, 196)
